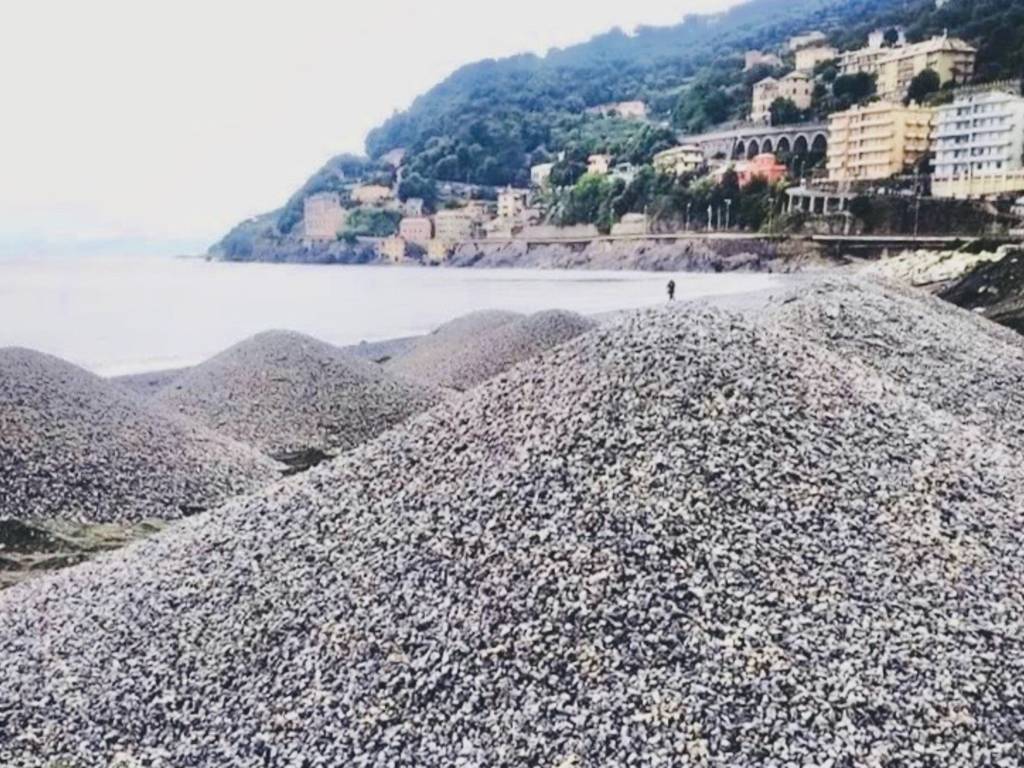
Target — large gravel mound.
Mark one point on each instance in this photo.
(683, 539)
(471, 350)
(284, 392)
(938, 353)
(76, 447)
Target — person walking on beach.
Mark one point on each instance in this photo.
(671, 290)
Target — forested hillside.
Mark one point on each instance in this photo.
(489, 121)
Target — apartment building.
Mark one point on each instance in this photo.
(371, 194)
(599, 164)
(322, 216)
(454, 226)
(540, 174)
(416, 229)
(392, 250)
(680, 160)
(877, 141)
(757, 59)
(952, 59)
(803, 41)
(810, 57)
(796, 86)
(511, 203)
(631, 110)
(978, 145)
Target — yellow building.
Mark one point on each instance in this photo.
(511, 203)
(322, 216)
(808, 58)
(599, 165)
(454, 226)
(371, 194)
(952, 59)
(796, 86)
(877, 141)
(438, 251)
(416, 229)
(680, 160)
(392, 249)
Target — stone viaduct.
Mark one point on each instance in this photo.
(746, 141)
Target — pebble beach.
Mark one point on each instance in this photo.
(789, 534)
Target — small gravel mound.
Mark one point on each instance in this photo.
(284, 393)
(942, 355)
(470, 350)
(687, 538)
(77, 447)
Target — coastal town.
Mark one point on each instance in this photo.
(926, 128)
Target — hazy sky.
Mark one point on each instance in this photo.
(176, 119)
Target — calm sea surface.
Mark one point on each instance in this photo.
(124, 315)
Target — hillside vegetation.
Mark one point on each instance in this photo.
(490, 121)
(526, 108)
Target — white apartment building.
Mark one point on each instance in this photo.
(978, 144)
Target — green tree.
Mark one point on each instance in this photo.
(784, 112)
(853, 89)
(415, 185)
(372, 222)
(925, 83)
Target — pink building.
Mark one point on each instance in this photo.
(417, 229)
(763, 166)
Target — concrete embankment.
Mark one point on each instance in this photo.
(692, 254)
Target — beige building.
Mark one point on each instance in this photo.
(392, 249)
(599, 164)
(371, 194)
(322, 216)
(757, 59)
(511, 203)
(877, 141)
(811, 56)
(438, 251)
(952, 59)
(455, 226)
(680, 160)
(631, 225)
(632, 110)
(803, 41)
(540, 174)
(417, 229)
(796, 86)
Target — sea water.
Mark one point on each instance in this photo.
(118, 314)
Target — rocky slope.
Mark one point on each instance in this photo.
(994, 289)
(470, 350)
(689, 255)
(688, 538)
(76, 447)
(285, 393)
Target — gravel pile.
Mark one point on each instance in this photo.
(939, 354)
(76, 447)
(284, 393)
(470, 350)
(683, 539)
